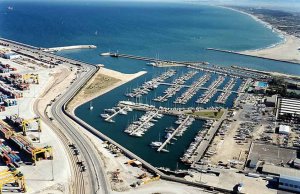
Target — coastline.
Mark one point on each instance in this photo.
(286, 50)
(121, 78)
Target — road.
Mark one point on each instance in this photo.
(93, 179)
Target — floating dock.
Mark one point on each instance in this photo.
(144, 123)
(173, 134)
(114, 114)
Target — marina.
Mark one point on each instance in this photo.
(192, 90)
(222, 98)
(176, 86)
(108, 118)
(138, 128)
(211, 91)
(178, 132)
(191, 151)
(150, 85)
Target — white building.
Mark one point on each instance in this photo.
(284, 129)
(11, 55)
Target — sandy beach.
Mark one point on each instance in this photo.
(287, 50)
(102, 82)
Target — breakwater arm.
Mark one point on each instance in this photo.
(56, 49)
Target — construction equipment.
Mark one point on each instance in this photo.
(44, 153)
(156, 178)
(143, 175)
(34, 78)
(25, 124)
(14, 177)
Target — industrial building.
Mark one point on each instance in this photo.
(271, 101)
(11, 55)
(284, 129)
(288, 109)
(288, 178)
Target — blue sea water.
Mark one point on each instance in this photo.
(170, 31)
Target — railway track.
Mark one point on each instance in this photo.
(77, 185)
(93, 180)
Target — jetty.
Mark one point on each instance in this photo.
(154, 60)
(173, 134)
(238, 53)
(205, 143)
(75, 47)
(114, 114)
(141, 126)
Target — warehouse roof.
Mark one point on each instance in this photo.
(282, 171)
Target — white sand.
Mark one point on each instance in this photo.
(108, 72)
(286, 50)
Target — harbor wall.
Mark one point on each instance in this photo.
(237, 53)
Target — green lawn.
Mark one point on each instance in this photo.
(210, 114)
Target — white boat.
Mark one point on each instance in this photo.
(123, 112)
(156, 144)
(168, 135)
(110, 121)
(110, 110)
(91, 106)
(127, 103)
(105, 54)
(104, 115)
(165, 150)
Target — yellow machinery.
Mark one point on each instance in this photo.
(25, 123)
(33, 77)
(14, 177)
(46, 152)
(156, 178)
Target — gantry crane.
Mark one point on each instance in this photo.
(26, 122)
(46, 151)
(33, 77)
(12, 176)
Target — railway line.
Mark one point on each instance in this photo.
(93, 179)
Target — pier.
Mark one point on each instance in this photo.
(114, 114)
(154, 60)
(76, 47)
(202, 88)
(205, 143)
(173, 134)
(144, 123)
(193, 89)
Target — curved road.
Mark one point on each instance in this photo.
(92, 161)
(93, 180)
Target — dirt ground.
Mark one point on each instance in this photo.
(103, 81)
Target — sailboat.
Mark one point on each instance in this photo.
(156, 144)
(91, 106)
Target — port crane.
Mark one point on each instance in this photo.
(26, 122)
(47, 153)
(14, 177)
(33, 77)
